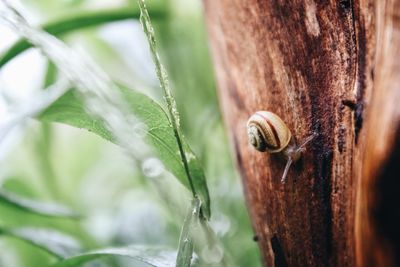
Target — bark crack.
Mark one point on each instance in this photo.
(359, 76)
(280, 260)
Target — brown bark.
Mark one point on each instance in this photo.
(330, 67)
(377, 210)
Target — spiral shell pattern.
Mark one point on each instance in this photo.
(267, 132)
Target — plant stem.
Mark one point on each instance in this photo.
(79, 21)
(163, 78)
(186, 246)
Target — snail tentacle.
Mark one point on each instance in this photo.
(268, 133)
(285, 172)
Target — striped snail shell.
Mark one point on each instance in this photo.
(267, 132)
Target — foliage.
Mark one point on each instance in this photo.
(72, 167)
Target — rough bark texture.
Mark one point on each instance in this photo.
(329, 67)
(377, 211)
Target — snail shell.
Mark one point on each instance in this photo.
(267, 132)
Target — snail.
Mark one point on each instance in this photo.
(268, 133)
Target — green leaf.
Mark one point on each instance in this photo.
(199, 180)
(79, 21)
(152, 256)
(56, 243)
(44, 142)
(36, 207)
(69, 109)
(185, 251)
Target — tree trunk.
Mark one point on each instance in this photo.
(329, 67)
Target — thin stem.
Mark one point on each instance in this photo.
(44, 142)
(78, 21)
(186, 246)
(163, 78)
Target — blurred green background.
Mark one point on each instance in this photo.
(79, 169)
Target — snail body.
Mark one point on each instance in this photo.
(267, 132)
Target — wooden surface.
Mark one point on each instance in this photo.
(378, 199)
(327, 67)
